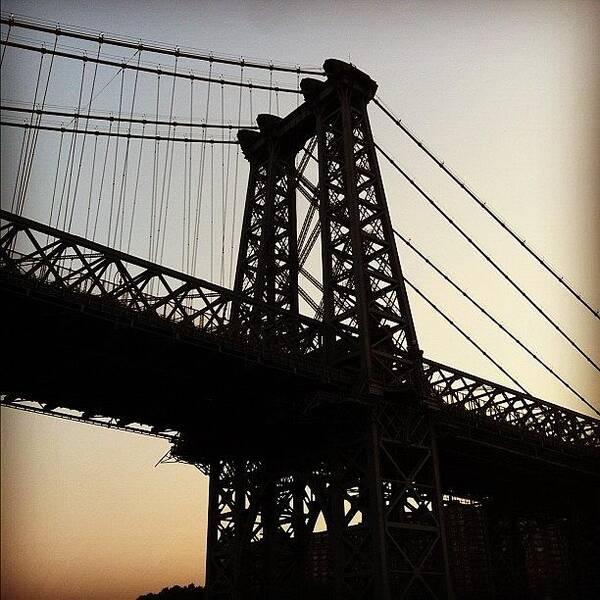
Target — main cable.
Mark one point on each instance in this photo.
(486, 256)
(143, 68)
(14, 21)
(464, 334)
(521, 241)
(474, 302)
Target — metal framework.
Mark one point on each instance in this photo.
(363, 286)
(377, 505)
(65, 265)
(37, 259)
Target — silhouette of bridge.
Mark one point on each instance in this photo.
(342, 462)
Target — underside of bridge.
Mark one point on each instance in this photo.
(340, 466)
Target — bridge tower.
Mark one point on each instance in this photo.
(370, 483)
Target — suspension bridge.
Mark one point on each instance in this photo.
(343, 463)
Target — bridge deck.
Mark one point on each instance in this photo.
(171, 345)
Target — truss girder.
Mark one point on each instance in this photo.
(57, 264)
(474, 398)
(62, 265)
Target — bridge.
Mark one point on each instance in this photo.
(301, 390)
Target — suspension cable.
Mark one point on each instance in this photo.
(89, 207)
(521, 241)
(200, 187)
(71, 154)
(145, 69)
(464, 334)
(227, 179)
(165, 176)
(235, 183)
(123, 192)
(225, 193)
(16, 201)
(87, 123)
(135, 192)
(155, 163)
(212, 211)
(168, 196)
(114, 176)
(184, 212)
(190, 167)
(483, 310)
(13, 205)
(109, 117)
(38, 120)
(486, 256)
(148, 46)
(109, 133)
(60, 145)
(10, 26)
(101, 185)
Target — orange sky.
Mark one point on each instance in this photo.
(506, 93)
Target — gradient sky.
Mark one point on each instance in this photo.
(505, 92)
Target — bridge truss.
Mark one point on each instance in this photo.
(343, 464)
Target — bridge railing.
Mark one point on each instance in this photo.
(62, 263)
(480, 400)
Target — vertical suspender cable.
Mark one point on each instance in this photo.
(71, 155)
(190, 164)
(235, 181)
(212, 209)
(223, 193)
(200, 189)
(251, 110)
(135, 190)
(28, 132)
(89, 207)
(184, 212)
(123, 191)
(168, 195)
(5, 44)
(226, 205)
(172, 146)
(13, 205)
(87, 123)
(154, 171)
(38, 121)
(114, 175)
(270, 86)
(108, 138)
(60, 145)
(165, 169)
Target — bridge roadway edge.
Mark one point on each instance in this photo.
(230, 389)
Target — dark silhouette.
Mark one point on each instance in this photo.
(343, 464)
(177, 592)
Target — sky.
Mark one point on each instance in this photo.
(505, 92)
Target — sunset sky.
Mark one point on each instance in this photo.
(507, 93)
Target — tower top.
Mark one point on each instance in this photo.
(293, 130)
(338, 71)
